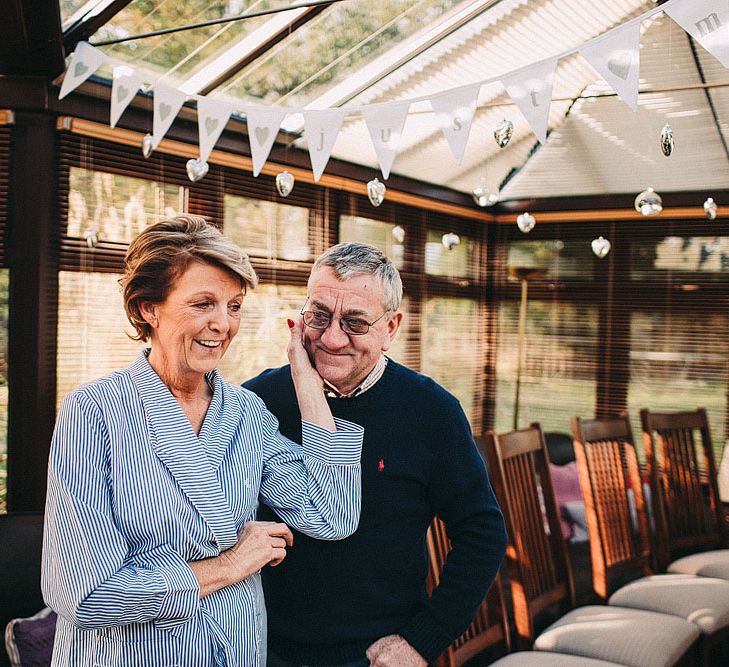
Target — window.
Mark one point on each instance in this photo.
(461, 261)
(558, 374)
(92, 327)
(679, 362)
(452, 351)
(706, 257)
(554, 258)
(116, 208)
(268, 229)
(388, 237)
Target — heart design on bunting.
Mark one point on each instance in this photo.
(84, 62)
(210, 125)
(263, 124)
(121, 93)
(620, 64)
(261, 135)
(164, 110)
(167, 103)
(125, 84)
(80, 69)
(212, 117)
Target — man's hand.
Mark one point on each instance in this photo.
(394, 651)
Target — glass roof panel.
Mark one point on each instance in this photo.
(70, 9)
(178, 56)
(326, 50)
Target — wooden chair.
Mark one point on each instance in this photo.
(540, 573)
(620, 537)
(490, 627)
(682, 474)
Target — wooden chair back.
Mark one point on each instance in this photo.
(682, 474)
(536, 556)
(609, 473)
(490, 627)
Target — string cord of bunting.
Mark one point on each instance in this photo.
(615, 55)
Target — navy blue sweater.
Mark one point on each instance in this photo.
(328, 601)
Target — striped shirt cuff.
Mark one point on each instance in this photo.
(182, 597)
(343, 447)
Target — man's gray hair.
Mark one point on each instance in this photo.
(348, 260)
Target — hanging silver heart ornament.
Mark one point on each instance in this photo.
(376, 192)
(503, 133)
(196, 169)
(710, 208)
(667, 140)
(600, 246)
(525, 222)
(147, 145)
(450, 240)
(285, 183)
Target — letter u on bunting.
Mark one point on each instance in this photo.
(531, 89)
(385, 123)
(84, 62)
(616, 58)
(263, 126)
(167, 104)
(124, 87)
(707, 21)
(321, 128)
(454, 112)
(212, 116)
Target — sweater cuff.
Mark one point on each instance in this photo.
(426, 636)
(342, 447)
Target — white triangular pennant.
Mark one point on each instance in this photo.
(212, 116)
(707, 21)
(385, 123)
(531, 89)
(263, 126)
(84, 62)
(123, 90)
(616, 57)
(321, 128)
(167, 104)
(454, 113)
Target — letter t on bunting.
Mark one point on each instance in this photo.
(531, 89)
(385, 123)
(454, 112)
(263, 126)
(616, 58)
(321, 128)
(707, 21)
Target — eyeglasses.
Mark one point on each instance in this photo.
(354, 326)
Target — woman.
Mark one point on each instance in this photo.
(151, 556)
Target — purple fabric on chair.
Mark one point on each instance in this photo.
(566, 484)
(29, 641)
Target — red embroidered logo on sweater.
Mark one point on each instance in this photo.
(381, 465)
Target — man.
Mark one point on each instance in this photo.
(362, 600)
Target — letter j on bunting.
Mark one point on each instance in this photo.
(321, 128)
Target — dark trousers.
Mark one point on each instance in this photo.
(275, 661)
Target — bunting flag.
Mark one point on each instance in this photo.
(321, 128)
(212, 116)
(707, 21)
(84, 62)
(531, 90)
(167, 104)
(616, 57)
(454, 112)
(124, 88)
(385, 123)
(263, 126)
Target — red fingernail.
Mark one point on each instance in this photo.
(290, 323)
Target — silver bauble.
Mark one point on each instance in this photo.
(450, 240)
(667, 140)
(285, 183)
(525, 222)
(503, 133)
(648, 202)
(376, 192)
(711, 208)
(147, 145)
(600, 246)
(196, 169)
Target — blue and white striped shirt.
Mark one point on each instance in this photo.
(134, 494)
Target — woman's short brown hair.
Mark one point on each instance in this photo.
(163, 251)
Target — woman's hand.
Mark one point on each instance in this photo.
(259, 543)
(307, 382)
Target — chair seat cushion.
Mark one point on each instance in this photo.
(547, 659)
(705, 564)
(29, 641)
(626, 636)
(700, 600)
